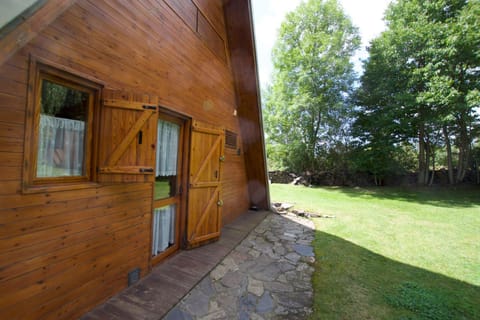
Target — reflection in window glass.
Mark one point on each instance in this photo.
(167, 153)
(61, 131)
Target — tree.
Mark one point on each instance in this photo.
(307, 104)
(422, 78)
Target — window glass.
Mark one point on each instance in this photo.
(163, 229)
(61, 130)
(167, 156)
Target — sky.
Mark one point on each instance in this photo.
(367, 15)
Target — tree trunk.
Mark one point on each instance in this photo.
(433, 168)
(449, 155)
(428, 152)
(464, 142)
(463, 155)
(422, 178)
(459, 165)
(478, 172)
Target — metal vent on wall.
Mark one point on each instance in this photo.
(133, 276)
(230, 139)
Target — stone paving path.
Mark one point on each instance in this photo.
(267, 276)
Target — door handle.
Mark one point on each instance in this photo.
(220, 203)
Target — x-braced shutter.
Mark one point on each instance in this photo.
(127, 137)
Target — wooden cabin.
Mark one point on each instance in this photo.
(129, 130)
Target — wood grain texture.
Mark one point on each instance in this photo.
(213, 12)
(123, 157)
(102, 231)
(213, 40)
(186, 10)
(205, 188)
(22, 34)
(241, 40)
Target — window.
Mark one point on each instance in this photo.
(163, 229)
(168, 134)
(60, 127)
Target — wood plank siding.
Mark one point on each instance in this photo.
(65, 250)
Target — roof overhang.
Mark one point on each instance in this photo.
(25, 20)
(241, 40)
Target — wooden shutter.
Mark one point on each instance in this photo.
(205, 194)
(127, 137)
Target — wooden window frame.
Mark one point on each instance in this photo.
(40, 70)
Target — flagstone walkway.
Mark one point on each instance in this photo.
(261, 274)
(267, 276)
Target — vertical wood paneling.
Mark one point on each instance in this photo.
(121, 155)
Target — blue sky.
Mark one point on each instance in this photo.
(367, 15)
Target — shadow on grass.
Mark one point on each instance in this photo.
(352, 282)
(450, 197)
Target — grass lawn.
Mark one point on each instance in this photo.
(393, 253)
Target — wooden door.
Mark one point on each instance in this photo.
(205, 196)
(127, 137)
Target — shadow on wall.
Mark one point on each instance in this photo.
(355, 283)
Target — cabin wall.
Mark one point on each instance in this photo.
(63, 252)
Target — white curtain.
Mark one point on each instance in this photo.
(60, 147)
(163, 228)
(167, 150)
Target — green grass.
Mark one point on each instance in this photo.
(393, 253)
(162, 190)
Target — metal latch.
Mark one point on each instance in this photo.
(147, 107)
(146, 170)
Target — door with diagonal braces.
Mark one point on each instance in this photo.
(205, 194)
